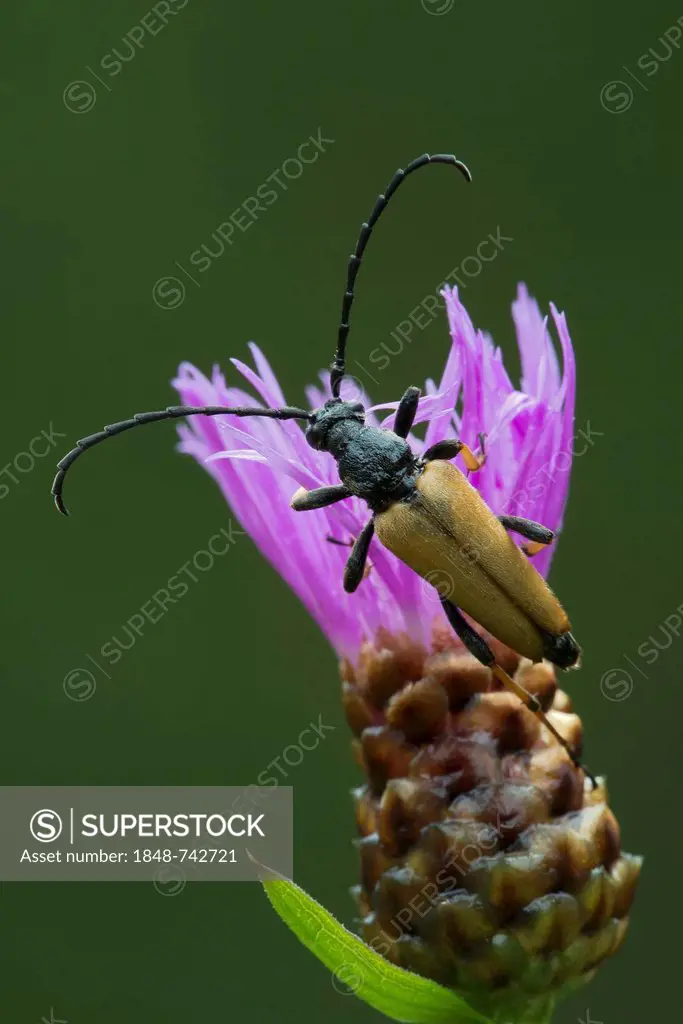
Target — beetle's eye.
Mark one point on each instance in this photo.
(358, 407)
(314, 437)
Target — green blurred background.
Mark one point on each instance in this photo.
(96, 206)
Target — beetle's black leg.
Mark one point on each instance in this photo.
(451, 447)
(475, 644)
(405, 414)
(354, 572)
(540, 536)
(349, 544)
(304, 501)
(447, 449)
(483, 653)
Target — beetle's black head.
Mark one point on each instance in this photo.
(335, 421)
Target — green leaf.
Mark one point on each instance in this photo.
(400, 995)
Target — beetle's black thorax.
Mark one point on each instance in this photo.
(376, 465)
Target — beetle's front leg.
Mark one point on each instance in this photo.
(540, 536)
(477, 646)
(405, 414)
(304, 501)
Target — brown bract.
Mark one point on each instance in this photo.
(488, 863)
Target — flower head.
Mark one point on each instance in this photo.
(488, 862)
(259, 464)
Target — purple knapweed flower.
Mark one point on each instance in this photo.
(490, 863)
(260, 463)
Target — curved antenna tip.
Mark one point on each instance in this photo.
(467, 174)
(61, 507)
(451, 158)
(59, 501)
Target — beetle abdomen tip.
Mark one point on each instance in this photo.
(562, 650)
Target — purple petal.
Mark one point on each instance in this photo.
(259, 462)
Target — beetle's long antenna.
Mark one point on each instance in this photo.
(171, 413)
(339, 365)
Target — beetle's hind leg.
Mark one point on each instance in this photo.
(477, 646)
(474, 643)
(540, 536)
